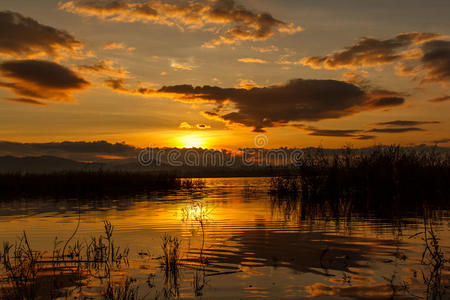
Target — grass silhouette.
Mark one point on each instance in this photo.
(87, 184)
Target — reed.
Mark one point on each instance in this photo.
(123, 291)
(383, 180)
(171, 259)
(30, 273)
(435, 262)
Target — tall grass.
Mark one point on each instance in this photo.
(123, 291)
(171, 259)
(384, 179)
(433, 258)
(30, 273)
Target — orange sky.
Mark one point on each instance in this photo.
(217, 73)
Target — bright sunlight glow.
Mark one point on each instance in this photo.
(191, 141)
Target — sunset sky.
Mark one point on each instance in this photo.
(215, 73)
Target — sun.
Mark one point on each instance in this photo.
(192, 141)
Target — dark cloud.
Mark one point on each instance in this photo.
(42, 73)
(402, 123)
(370, 51)
(20, 35)
(104, 67)
(41, 79)
(186, 125)
(440, 99)
(115, 83)
(365, 137)
(277, 105)
(436, 62)
(26, 101)
(332, 132)
(441, 141)
(432, 67)
(73, 150)
(395, 130)
(233, 22)
(384, 98)
(353, 133)
(388, 101)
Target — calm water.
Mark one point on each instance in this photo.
(251, 246)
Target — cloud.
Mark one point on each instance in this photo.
(432, 67)
(277, 105)
(369, 52)
(24, 36)
(436, 62)
(186, 125)
(402, 123)
(354, 133)
(395, 130)
(440, 99)
(332, 132)
(385, 98)
(365, 137)
(233, 22)
(247, 84)
(388, 101)
(83, 151)
(180, 66)
(267, 49)
(117, 46)
(252, 60)
(115, 83)
(38, 79)
(104, 67)
(358, 78)
(26, 101)
(202, 126)
(441, 141)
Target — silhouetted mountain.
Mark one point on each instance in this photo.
(43, 164)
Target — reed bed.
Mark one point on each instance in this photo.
(385, 179)
(89, 184)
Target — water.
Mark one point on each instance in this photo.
(237, 243)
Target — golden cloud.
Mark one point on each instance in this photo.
(234, 22)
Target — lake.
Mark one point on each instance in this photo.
(236, 242)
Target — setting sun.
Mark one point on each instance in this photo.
(192, 141)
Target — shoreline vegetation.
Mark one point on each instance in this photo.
(385, 182)
(95, 184)
(384, 175)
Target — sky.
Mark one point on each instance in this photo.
(221, 73)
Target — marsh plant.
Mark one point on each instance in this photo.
(103, 249)
(381, 181)
(198, 214)
(126, 290)
(21, 265)
(285, 186)
(171, 258)
(384, 177)
(192, 183)
(433, 258)
(30, 273)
